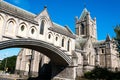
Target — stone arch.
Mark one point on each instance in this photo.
(22, 31)
(56, 55)
(10, 27)
(50, 37)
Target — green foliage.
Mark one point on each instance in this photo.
(10, 63)
(117, 31)
(117, 37)
(102, 73)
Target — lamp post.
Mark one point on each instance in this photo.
(5, 64)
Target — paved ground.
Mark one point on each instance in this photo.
(6, 79)
(7, 76)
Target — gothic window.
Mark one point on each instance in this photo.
(32, 31)
(49, 36)
(63, 42)
(42, 27)
(102, 50)
(89, 58)
(10, 27)
(56, 41)
(82, 29)
(68, 45)
(56, 38)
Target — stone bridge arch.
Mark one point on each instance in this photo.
(57, 56)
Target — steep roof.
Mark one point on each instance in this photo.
(62, 30)
(99, 43)
(17, 12)
(108, 38)
(84, 13)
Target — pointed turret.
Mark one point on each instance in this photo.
(84, 13)
(84, 27)
(108, 38)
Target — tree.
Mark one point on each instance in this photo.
(99, 73)
(8, 64)
(117, 37)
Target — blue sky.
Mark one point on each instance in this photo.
(63, 12)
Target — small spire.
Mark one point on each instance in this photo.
(108, 38)
(45, 7)
(84, 3)
(76, 19)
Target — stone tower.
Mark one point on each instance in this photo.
(86, 26)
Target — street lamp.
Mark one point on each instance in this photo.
(5, 64)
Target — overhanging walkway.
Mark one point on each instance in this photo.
(56, 55)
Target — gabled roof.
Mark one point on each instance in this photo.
(17, 12)
(108, 38)
(69, 29)
(84, 13)
(44, 13)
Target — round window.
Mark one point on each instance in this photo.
(22, 28)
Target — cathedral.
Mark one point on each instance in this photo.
(89, 52)
(82, 47)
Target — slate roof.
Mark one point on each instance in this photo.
(29, 17)
(17, 12)
(62, 30)
(99, 43)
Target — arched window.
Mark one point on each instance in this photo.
(22, 28)
(56, 38)
(10, 27)
(89, 58)
(63, 42)
(82, 29)
(42, 27)
(49, 36)
(32, 31)
(68, 45)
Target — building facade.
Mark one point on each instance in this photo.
(82, 47)
(88, 52)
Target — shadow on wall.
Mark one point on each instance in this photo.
(48, 71)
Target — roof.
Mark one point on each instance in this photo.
(98, 43)
(84, 13)
(108, 38)
(17, 12)
(62, 30)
